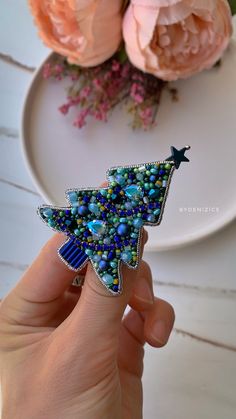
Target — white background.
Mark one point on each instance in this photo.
(195, 375)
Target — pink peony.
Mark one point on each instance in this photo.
(174, 39)
(87, 32)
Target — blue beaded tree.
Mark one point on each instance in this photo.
(105, 225)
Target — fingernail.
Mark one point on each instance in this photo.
(143, 292)
(160, 332)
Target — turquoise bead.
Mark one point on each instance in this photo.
(107, 279)
(113, 264)
(153, 193)
(47, 212)
(74, 211)
(138, 222)
(154, 170)
(133, 192)
(73, 196)
(94, 209)
(139, 176)
(157, 211)
(121, 170)
(76, 232)
(88, 252)
(97, 258)
(151, 218)
(97, 227)
(126, 256)
(103, 192)
(51, 223)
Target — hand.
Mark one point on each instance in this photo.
(67, 352)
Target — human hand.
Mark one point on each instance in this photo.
(67, 352)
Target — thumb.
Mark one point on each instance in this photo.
(98, 311)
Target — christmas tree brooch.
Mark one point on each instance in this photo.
(104, 225)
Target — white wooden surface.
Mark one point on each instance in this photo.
(195, 376)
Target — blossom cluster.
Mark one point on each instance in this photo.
(95, 92)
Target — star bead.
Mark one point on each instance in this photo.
(105, 225)
(178, 156)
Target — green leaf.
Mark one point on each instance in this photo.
(232, 4)
(122, 56)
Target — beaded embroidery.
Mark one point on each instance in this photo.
(104, 225)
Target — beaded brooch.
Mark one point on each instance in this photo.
(104, 225)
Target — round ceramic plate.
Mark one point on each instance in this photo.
(202, 197)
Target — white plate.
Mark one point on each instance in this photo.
(60, 156)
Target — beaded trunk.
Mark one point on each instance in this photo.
(104, 225)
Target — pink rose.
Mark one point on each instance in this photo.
(88, 32)
(174, 39)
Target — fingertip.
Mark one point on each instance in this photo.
(159, 322)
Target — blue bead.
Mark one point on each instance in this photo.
(102, 265)
(162, 172)
(123, 229)
(68, 222)
(133, 192)
(153, 193)
(82, 210)
(128, 205)
(117, 239)
(152, 178)
(110, 255)
(107, 279)
(138, 222)
(97, 227)
(120, 179)
(115, 288)
(47, 212)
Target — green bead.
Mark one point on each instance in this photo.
(167, 166)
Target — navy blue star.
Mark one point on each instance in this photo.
(178, 156)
